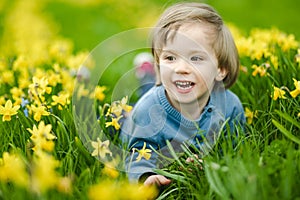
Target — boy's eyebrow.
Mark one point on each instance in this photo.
(167, 50)
(193, 51)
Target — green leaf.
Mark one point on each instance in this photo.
(177, 177)
(216, 183)
(288, 118)
(173, 153)
(286, 132)
(245, 92)
(165, 195)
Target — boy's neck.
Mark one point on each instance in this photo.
(193, 110)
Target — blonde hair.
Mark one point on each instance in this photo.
(223, 44)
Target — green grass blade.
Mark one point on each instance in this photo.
(286, 132)
(216, 183)
(177, 177)
(288, 118)
(173, 153)
(165, 195)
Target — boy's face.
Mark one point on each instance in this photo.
(188, 65)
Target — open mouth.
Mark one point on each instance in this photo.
(184, 85)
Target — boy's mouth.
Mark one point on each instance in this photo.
(184, 85)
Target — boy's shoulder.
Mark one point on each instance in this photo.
(231, 96)
(148, 99)
(233, 104)
(148, 103)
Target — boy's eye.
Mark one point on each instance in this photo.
(170, 58)
(196, 58)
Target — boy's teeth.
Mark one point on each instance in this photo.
(183, 84)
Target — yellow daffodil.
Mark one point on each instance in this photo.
(278, 93)
(262, 71)
(12, 168)
(40, 74)
(124, 105)
(75, 61)
(136, 191)
(101, 148)
(99, 93)
(39, 86)
(24, 82)
(110, 169)
(114, 122)
(20, 63)
(244, 69)
(274, 61)
(44, 175)
(53, 78)
(16, 93)
(2, 100)
(250, 115)
(82, 92)
(288, 42)
(39, 111)
(7, 77)
(106, 189)
(143, 153)
(61, 100)
(8, 110)
(64, 185)
(67, 81)
(117, 107)
(42, 131)
(42, 137)
(18, 101)
(3, 65)
(61, 49)
(295, 92)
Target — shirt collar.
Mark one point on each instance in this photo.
(215, 105)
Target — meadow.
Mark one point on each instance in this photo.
(59, 123)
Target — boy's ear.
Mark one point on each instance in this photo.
(221, 74)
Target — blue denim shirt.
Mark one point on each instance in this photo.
(154, 121)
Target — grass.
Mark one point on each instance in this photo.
(56, 161)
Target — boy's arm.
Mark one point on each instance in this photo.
(235, 112)
(140, 169)
(158, 180)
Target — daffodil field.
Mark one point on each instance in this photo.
(42, 155)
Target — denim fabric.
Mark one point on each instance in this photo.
(154, 121)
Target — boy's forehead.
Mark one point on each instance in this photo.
(192, 38)
(182, 42)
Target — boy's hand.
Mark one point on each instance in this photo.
(196, 162)
(192, 160)
(158, 180)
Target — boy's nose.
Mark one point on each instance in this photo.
(183, 67)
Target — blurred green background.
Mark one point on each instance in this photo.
(90, 23)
